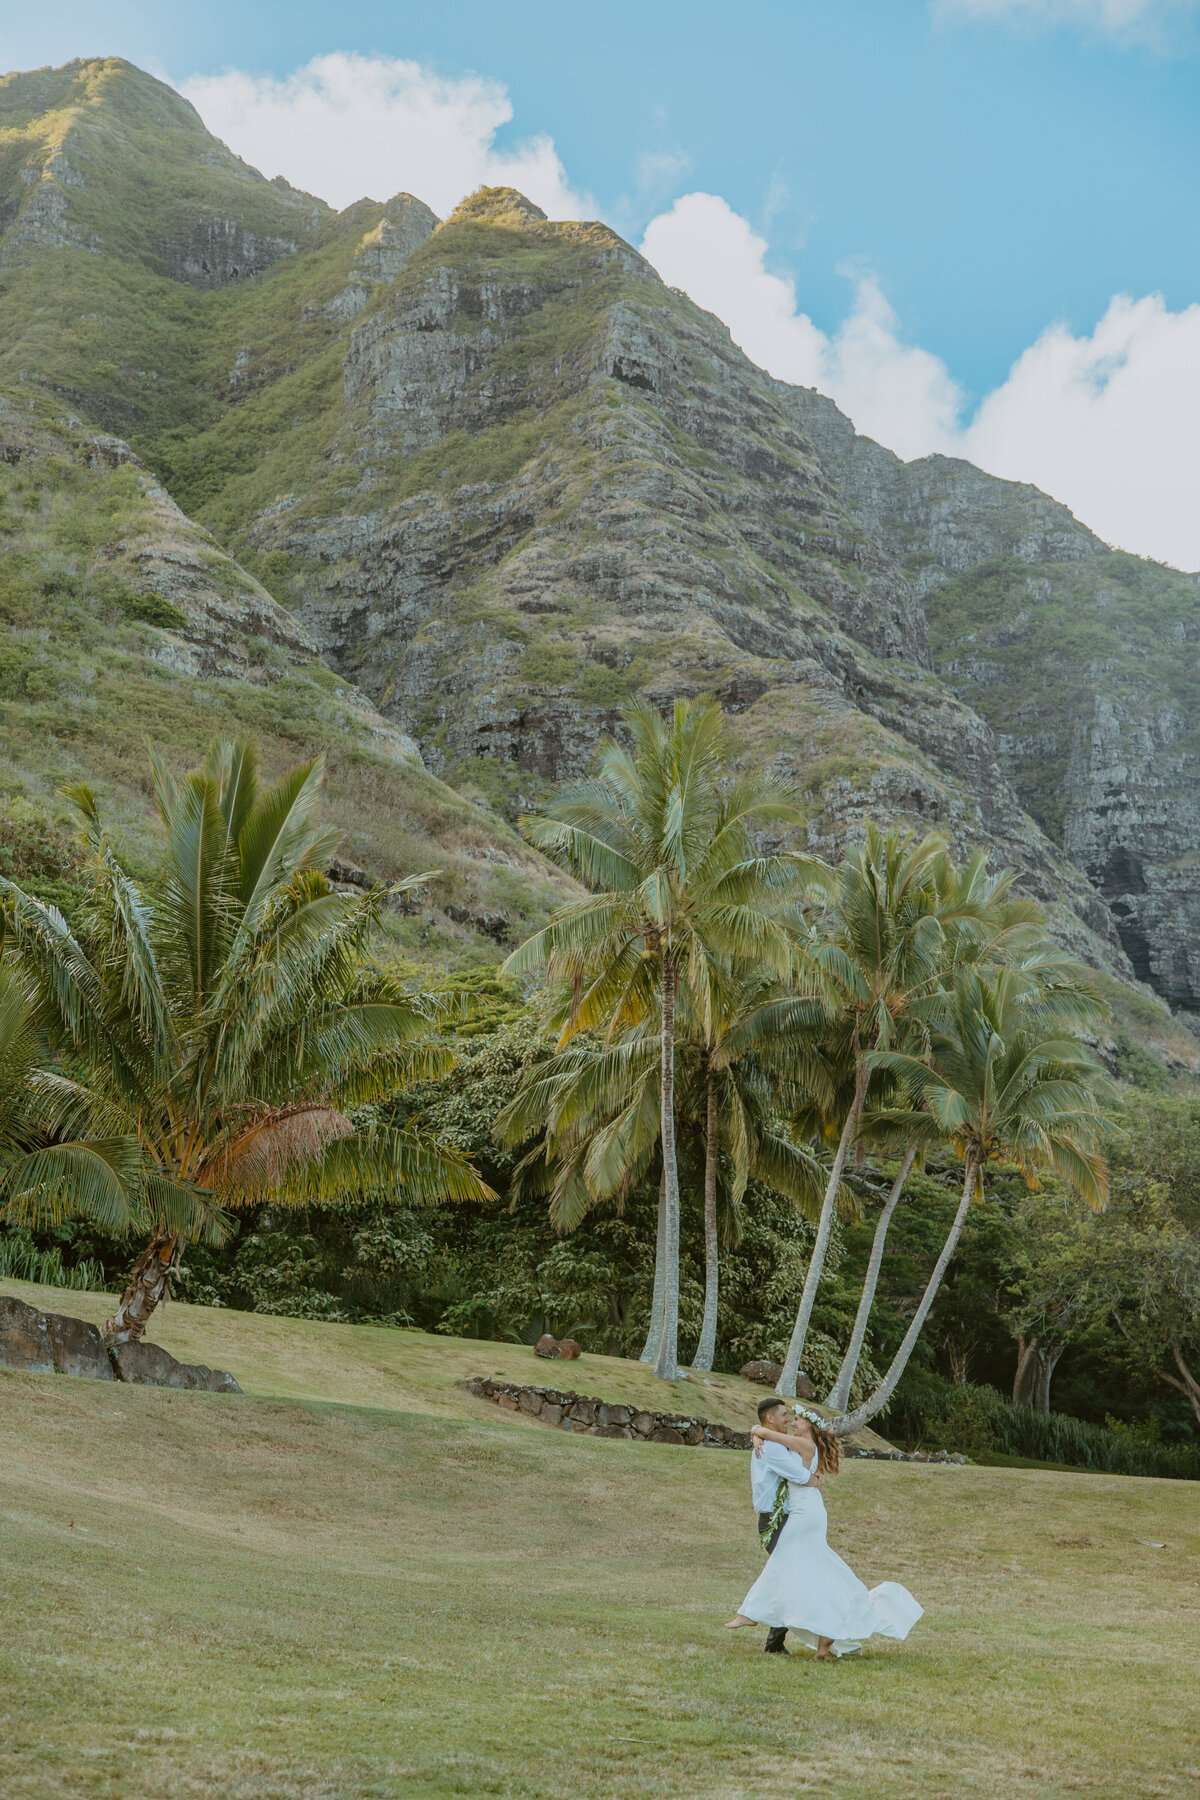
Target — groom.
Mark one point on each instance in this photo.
(772, 1467)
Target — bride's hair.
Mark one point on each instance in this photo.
(829, 1446)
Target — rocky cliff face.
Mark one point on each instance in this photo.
(504, 480)
(1084, 662)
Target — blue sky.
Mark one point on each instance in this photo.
(960, 178)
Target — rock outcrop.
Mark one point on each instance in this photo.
(46, 1343)
(149, 1365)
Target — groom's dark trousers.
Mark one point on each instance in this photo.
(777, 1633)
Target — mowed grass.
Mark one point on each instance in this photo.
(376, 1365)
(303, 1599)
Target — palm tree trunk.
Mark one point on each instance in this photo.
(708, 1330)
(666, 1365)
(839, 1393)
(862, 1415)
(147, 1286)
(786, 1385)
(650, 1350)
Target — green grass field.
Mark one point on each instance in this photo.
(330, 1590)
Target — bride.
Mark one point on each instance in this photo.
(806, 1586)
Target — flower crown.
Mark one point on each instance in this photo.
(814, 1418)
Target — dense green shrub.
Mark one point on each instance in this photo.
(931, 1414)
(22, 1260)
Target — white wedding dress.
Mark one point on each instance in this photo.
(807, 1587)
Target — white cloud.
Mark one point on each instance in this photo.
(345, 126)
(894, 392)
(1104, 421)
(1108, 423)
(1134, 20)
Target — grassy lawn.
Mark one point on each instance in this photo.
(304, 1598)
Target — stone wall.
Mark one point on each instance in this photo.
(591, 1417)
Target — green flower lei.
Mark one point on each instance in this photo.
(777, 1513)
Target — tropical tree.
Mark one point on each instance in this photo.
(744, 1094)
(230, 1017)
(875, 943)
(662, 836)
(839, 1394)
(594, 1111)
(1007, 1080)
(982, 925)
(56, 1160)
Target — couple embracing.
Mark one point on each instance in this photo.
(806, 1587)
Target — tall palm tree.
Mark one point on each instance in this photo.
(593, 1111)
(876, 943)
(744, 1093)
(56, 1160)
(838, 1397)
(230, 1017)
(663, 838)
(983, 925)
(1007, 1080)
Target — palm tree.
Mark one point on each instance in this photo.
(663, 838)
(56, 1162)
(593, 1110)
(744, 1092)
(877, 943)
(230, 1018)
(982, 925)
(1007, 1080)
(838, 1397)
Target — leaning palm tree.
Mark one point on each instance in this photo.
(743, 1095)
(230, 1018)
(663, 838)
(57, 1161)
(1007, 1080)
(876, 941)
(983, 926)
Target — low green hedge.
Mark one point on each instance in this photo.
(935, 1415)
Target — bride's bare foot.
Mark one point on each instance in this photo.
(737, 1620)
(824, 1646)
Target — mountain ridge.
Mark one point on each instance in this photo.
(504, 479)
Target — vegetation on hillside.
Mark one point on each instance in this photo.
(227, 1020)
(880, 1020)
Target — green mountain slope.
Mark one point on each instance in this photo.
(122, 623)
(503, 479)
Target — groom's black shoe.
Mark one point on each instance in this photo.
(776, 1650)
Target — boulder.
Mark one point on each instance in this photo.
(552, 1413)
(584, 1411)
(77, 1348)
(552, 1348)
(529, 1401)
(24, 1339)
(666, 1434)
(149, 1365)
(614, 1415)
(765, 1373)
(643, 1423)
(768, 1373)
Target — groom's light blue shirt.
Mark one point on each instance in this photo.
(766, 1472)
